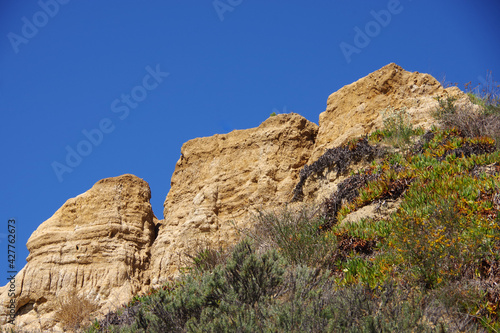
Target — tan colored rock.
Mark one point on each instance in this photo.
(97, 243)
(375, 211)
(356, 109)
(223, 178)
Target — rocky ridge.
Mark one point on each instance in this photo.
(107, 244)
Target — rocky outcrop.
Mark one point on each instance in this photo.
(107, 245)
(219, 180)
(358, 108)
(96, 244)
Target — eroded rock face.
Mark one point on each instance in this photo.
(103, 243)
(96, 244)
(219, 180)
(357, 109)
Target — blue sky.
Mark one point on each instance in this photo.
(122, 84)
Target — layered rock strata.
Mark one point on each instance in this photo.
(220, 180)
(96, 245)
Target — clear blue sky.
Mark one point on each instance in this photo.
(69, 67)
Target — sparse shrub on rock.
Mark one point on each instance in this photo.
(337, 159)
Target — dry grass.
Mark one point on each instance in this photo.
(470, 123)
(74, 311)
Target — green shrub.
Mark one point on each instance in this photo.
(308, 300)
(432, 246)
(245, 280)
(300, 299)
(296, 234)
(206, 258)
(250, 276)
(397, 127)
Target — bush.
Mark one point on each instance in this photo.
(338, 159)
(309, 300)
(74, 311)
(469, 122)
(433, 247)
(465, 304)
(206, 258)
(250, 276)
(245, 280)
(253, 293)
(297, 235)
(397, 129)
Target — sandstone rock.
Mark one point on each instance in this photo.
(358, 109)
(97, 243)
(355, 109)
(374, 211)
(223, 178)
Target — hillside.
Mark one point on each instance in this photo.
(408, 243)
(383, 217)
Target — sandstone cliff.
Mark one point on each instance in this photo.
(108, 245)
(356, 109)
(96, 244)
(220, 179)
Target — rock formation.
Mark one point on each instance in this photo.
(107, 245)
(220, 179)
(96, 244)
(357, 109)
